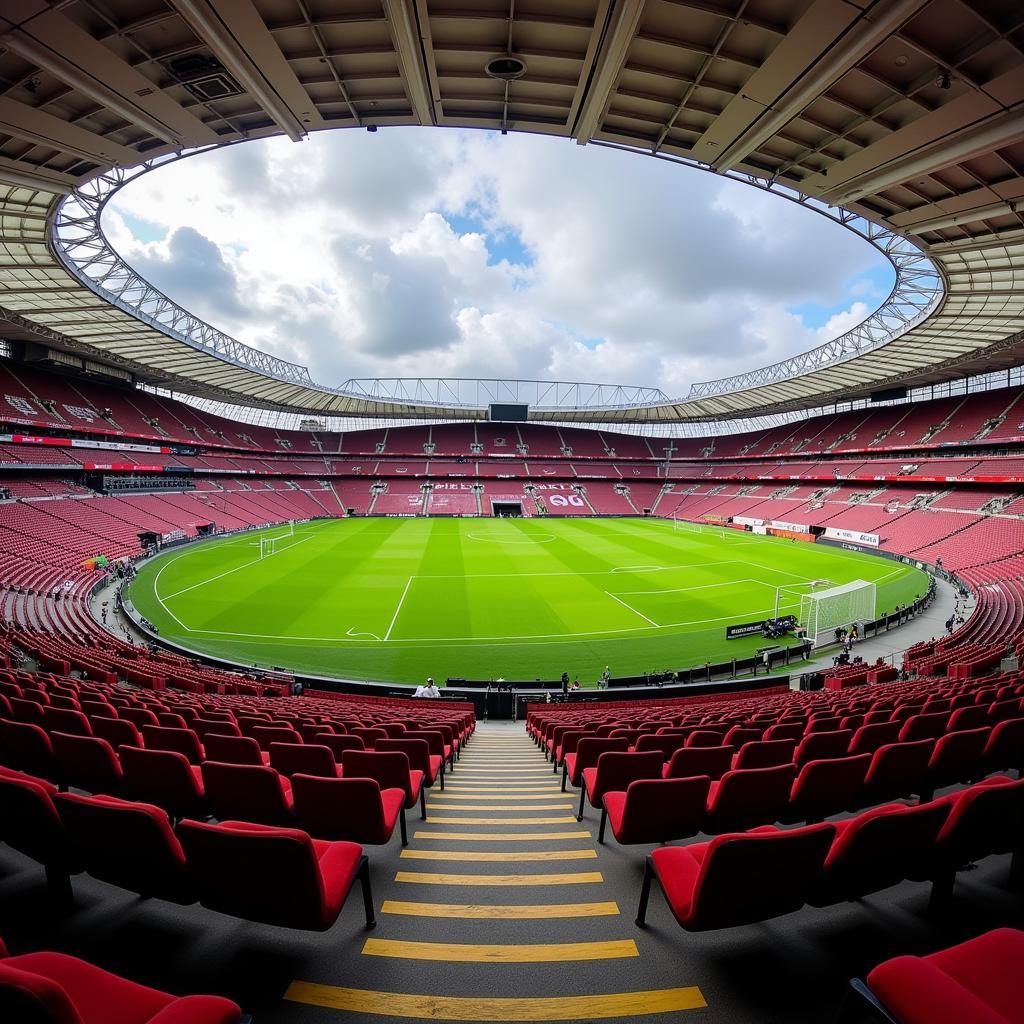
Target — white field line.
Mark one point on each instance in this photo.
(591, 572)
(686, 590)
(615, 597)
(237, 568)
(538, 640)
(488, 641)
(401, 601)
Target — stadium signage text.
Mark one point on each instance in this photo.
(771, 524)
(870, 539)
(64, 442)
(742, 629)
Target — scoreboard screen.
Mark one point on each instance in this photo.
(503, 413)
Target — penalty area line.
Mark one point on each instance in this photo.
(629, 607)
(401, 601)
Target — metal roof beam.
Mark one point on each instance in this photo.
(617, 36)
(241, 41)
(1000, 129)
(773, 111)
(97, 73)
(405, 34)
(12, 172)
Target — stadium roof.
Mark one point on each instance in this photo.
(908, 113)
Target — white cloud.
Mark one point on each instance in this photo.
(340, 253)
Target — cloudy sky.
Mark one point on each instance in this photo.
(430, 252)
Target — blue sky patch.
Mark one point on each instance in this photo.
(503, 245)
(870, 287)
(143, 230)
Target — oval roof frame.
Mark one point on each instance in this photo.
(838, 105)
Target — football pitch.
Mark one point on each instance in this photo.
(401, 599)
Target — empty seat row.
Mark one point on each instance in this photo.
(226, 866)
(363, 805)
(753, 876)
(646, 801)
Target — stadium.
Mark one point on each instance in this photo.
(484, 697)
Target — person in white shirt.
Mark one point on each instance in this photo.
(419, 691)
(431, 690)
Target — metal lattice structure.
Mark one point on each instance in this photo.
(907, 113)
(85, 250)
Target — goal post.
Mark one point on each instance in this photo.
(698, 525)
(267, 546)
(822, 612)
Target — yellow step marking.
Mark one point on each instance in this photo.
(484, 789)
(499, 807)
(506, 912)
(558, 820)
(525, 953)
(540, 769)
(509, 855)
(503, 837)
(485, 795)
(570, 878)
(479, 1008)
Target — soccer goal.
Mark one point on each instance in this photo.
(685, 525)
(822, 612)
(268, 546)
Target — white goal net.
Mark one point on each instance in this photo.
(822, 612)
(685, 524)
(269, 544)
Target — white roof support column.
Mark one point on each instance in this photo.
(622, 28)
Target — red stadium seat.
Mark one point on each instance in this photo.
(165, 737)
(26, 747)
(818, 746)
(978, 981)
(232, 862)
(306, 758)
(126, 844)
(234, 750)
(53, 988)
(357, 810)
(390, 769)
(87, 762)
(165, 778)
(247, 792)
(737, 879)
(29, 823)
(823, 788)
(765, 753)
(877, 849)
(711, 761)
(587, 753)
(615, 770)
(747, 797)
(657, 810)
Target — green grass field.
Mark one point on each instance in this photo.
(401, 599)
